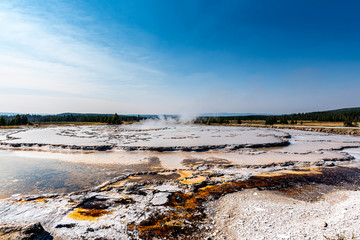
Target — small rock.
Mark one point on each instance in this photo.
(160, 198)
(69, 225)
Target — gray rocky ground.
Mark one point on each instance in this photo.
(253, 214)
(225, 183)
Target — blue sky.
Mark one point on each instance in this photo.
(185, 57)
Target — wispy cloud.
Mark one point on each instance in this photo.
(88, 56)
(36, 56)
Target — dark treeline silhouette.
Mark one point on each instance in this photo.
(346, 115)
(76, 117)
(14, 120)
(68, 117)
(339, 115)
(349, 116)
(219, 120)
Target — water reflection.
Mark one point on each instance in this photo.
(22, 175)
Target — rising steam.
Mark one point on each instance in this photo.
(165, 121)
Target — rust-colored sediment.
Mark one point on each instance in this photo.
(297, 171)
(187, 210)
(296, 191)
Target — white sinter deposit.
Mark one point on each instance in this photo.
(216, 154)
(253, 214)
(172, 136)
(175, 144)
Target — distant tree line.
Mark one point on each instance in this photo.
(102, 118)
(329, 116)
(218, 120)
(348, 116)
(13, 121)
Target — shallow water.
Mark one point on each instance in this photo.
(44, 169)
(21, 174)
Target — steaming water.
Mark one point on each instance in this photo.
(56, 170)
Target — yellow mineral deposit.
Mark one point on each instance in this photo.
(117, 184)
(222, 178)
(185, 174)
(40, 199)
(82, 214)
(134, 177)
(197, 179)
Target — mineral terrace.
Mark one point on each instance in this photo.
(207, 182)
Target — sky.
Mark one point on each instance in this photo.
(179, 57)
